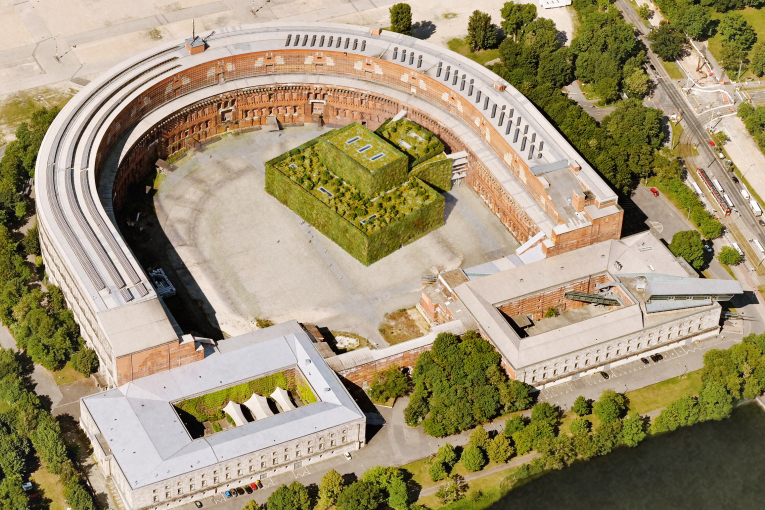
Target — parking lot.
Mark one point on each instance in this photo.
(634, 375)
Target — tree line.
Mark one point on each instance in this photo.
(26, 427)
(37, 318)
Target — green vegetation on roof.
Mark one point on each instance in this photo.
(415, 141)
(368, 215)
(375, 152)
(210, 407)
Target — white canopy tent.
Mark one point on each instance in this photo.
(283, 399)
(235, 411)
(258, 406)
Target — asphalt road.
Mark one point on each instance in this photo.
(707, 157)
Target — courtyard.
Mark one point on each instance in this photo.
(242, 256)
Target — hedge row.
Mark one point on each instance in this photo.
(210, 407)
(436, 171)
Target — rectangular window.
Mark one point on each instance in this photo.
(533, 379)
(191, 487)
(321, 42)
(167, 495)
(297, 453)
(376, 156)
(345, 439)
(478, 96)
(597, 358)
(586, 362)
(204, 483)
(216, 479)
(310, 450)
(156, 498)
(262, 464)
(608, 354)
(180, 491)
(364, 148)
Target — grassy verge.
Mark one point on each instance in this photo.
(755, 18)
(673, 70)
(659, 395)
(67, 375)
(482, 56)
(488, 486)
(50, 489)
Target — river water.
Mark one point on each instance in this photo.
(718, 465)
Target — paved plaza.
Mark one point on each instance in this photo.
(250, 257)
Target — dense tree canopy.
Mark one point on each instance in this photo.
(667, 42)
(482, 33)
(290, 497)
(391, 383)
(459, 384)
(687, 244)
(735, 30)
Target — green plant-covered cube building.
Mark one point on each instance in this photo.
(360, 190)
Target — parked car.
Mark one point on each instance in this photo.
(240, 492)
(604, 375)
(198, 504)
(657, 357)
(645, 361)
(762, 223)
(734, 179)
(347, 456)
(227, 494)
(27, 486)
(655, 192)
(248, 489)
(708, 248)
(254, 486)
(260, 485)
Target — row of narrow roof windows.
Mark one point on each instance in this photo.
(322, 39)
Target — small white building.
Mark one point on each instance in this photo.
(235, 411)
(258, 407)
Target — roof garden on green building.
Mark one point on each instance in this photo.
(415, 141)
(363, 146)
(368, 214)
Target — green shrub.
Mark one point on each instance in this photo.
(729, 256)
(473, 458)
(85, 361)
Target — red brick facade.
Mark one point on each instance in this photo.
(363, 375)
(295, 104)
(158, 359)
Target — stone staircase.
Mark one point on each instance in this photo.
(115, 500)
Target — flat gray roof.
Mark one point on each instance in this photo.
(639, 255)
(148, 440)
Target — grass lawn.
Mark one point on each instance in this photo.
(673, 70)
(663, 393)
(67, 375)
(421, 475)
(482, 56)
(17, 108)
(570, 416)
(50, 488)
(487, 485)
(755, 18)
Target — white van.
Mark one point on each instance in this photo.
(745, 194)
(737, 248)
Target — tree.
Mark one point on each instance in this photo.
(715, 402)
(514, 424)
(733, 58)
(516, 16)
(452, 491)
(544, 412)
(398, 495)
(580, 426)
(687, 244)
(644, 11)
(482, 34)
(13, 452)
(696, 21)
(500, 450)
(758, 59)
(582, 406)
(633, 430)
(12, 496)
(359, 495)
(682, 412)
(633, 124)
(85, 361)
(607, 437)
(32, 241)
(401, 19)
(473, 458)
(667, 42)
(480, 438)
(729, 256)
(735, 30)
(251, 505)
(292, 497)
(637, 84)
(392, 383)
(610, 407)
(437, 470)
(331, 487)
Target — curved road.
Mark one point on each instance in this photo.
(699, 135)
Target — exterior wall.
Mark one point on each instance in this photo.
(602, 229)
(363, 375)
(538, 304)
(157, 359)
(250, 467)
(700, 322)
(231, 473)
